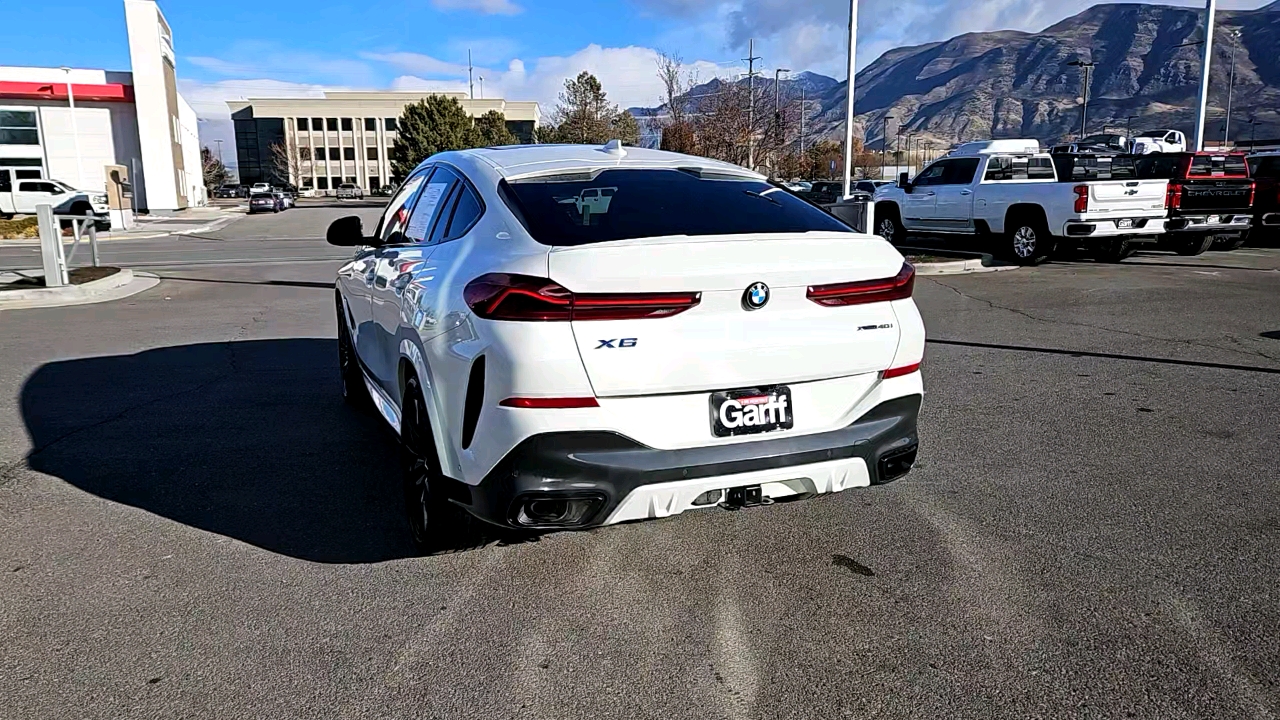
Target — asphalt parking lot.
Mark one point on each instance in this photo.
(192, 524)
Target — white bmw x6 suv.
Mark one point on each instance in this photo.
(568, 336)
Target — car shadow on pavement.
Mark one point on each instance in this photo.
(250, 440)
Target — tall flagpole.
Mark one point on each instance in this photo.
(1211, 10)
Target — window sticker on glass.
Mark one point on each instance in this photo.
(420, 223)
(590, 202)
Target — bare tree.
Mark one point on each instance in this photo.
(285, 163)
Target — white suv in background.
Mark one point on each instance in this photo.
(569, 336)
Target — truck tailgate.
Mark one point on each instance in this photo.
(1127, 198)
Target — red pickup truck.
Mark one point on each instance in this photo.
(1210, 198)
(1265, 169)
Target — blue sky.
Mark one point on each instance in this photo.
(523, 48)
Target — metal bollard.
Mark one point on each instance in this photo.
(93, 241)
(55, 265)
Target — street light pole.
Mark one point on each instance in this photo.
(1128, 127)
(1231, 86)
(218, 142)
(848, 109)
(75, 130)
(884, 143)
(1084, 97)
(1211, 11)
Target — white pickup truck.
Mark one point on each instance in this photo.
(20, 197)
(1031, 202)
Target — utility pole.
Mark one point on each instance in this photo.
(848, 108)
(751, 103)
(777, 111)
(471, 83)
(897, 149)
(1231, 85)
(1211, 11)
(218, 142)
(1084, 97)
(803, 111)
(481, 87)
(884, 143)
(1128, 127)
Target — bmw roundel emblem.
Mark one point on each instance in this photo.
(756, 296)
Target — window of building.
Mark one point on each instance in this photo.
(322, 183)
(304, 153)
(348, 153)
(346, 124)
(371, 153)
(373, 183)
(317, 124)
(333, 154)
(303, 125)
(331, 124)
(21, 174)
(335, 182)
(351, 180)
(319, 158)
(391, 124)
(371, 124)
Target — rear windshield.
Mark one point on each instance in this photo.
(580, 209)
(1267, 166)
(1218, 166)
(1159, 166)
(1095, 167)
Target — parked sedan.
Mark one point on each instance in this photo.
(350, 191)
(227, 191)
(555, 364)
(266, 202)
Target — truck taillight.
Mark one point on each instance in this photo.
(502, 296)
(1082, 198)
(1253, 191)
(1173, 197)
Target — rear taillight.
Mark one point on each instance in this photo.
(1253, 191)
(501, 296)
(900, 371)
(546, 403)
(1082, 198)
(1173, 197)
(898, 287)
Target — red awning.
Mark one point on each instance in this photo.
(111, 92)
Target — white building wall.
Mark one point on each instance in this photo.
(196, 192)
(93, 134)
(147, 54)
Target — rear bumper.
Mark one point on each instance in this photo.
(619, 479)
(1211, 223)
(1111, 227)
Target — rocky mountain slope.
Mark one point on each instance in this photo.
(1019, 84)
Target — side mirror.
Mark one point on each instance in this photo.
(347, 232)
(904, 181)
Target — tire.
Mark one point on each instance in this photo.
(435, 524)
(1028, 240)
(1114, 250)
(1193, 246)
(889, 223)
(354, 391)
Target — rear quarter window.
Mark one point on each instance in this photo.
(625, 204)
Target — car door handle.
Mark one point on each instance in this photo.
(930, 194)
(966, 192)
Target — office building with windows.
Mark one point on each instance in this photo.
(343, 137)
(73, 124)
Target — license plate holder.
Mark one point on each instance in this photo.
(1125, 224)
(751, 411)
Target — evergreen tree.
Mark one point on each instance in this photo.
(427, 127)
(585, 115)
(215, 173)
(491, 130)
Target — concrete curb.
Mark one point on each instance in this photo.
(960, 267)
(107, 236)
(118, 286)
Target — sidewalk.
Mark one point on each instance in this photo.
(192, 221)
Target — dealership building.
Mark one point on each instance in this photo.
(88, 127)
(343, 137)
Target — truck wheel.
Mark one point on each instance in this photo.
(889, 224)
(436, 525)
(1194, 245)
(1029, 241)
(1114, 250)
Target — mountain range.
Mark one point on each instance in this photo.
(1008, 83)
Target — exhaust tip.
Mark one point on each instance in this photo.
(557, 511)
(893, 465)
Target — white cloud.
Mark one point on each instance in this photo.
(488, 7)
